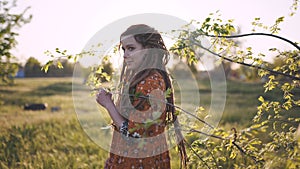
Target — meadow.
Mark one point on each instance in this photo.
(46, 139)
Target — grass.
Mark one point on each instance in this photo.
(241, 102)
(49, 144)
(35, 90)
(45, 139)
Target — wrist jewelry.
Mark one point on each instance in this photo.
(124, 128)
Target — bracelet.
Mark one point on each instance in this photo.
(124, 129)
(125, 133)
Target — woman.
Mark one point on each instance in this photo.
(142, 111)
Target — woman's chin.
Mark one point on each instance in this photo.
(131, 67)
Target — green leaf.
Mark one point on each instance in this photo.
(280, 19)
(261, 99)
(232, 155)
(168, 93)
(46, 66)
(207, 19)
(59, 65)
(177, 112)
(200, 108)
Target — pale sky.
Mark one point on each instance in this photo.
(69, 24)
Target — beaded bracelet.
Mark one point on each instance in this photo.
(124, 129)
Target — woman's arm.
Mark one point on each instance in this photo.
(104, 99)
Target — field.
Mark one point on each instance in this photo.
(46, 139)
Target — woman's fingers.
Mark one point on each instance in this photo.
(101, 91)
(103, 97)
(103, 94)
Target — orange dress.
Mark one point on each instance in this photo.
(146, 147)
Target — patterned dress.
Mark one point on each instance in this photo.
(146, 147)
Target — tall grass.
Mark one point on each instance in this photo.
(51, 144)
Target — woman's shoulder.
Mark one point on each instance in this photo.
(154, 80)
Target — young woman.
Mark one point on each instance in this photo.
(143, 108)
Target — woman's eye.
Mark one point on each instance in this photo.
(130, 48)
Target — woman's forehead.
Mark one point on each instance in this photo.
(128, 40)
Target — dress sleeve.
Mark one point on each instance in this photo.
(149, 106)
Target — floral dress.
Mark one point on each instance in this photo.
(146, 146)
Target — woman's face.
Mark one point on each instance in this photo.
(134, 52)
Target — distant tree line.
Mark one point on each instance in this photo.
(33, 68)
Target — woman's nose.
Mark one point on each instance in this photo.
(126, 55)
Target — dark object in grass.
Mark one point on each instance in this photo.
(35, 106)
(55, 109)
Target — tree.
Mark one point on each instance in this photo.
(248, 74)
(274, 119)
(32, 68)
(9, 23)
(62, 69)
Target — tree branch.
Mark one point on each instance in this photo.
(221, 138)
(245, 64)
(205, 163)
(257, 34)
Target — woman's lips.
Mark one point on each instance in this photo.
(128, 62)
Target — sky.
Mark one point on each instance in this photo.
(70, 24)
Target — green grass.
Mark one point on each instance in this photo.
(241, 102)
(49, 144)
(45, 139)
(35, 90)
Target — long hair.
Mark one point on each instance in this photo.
(156, 60)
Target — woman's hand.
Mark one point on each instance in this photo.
(104, 98)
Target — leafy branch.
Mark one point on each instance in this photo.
(256, 34)
(194, 41)
(184, 45)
